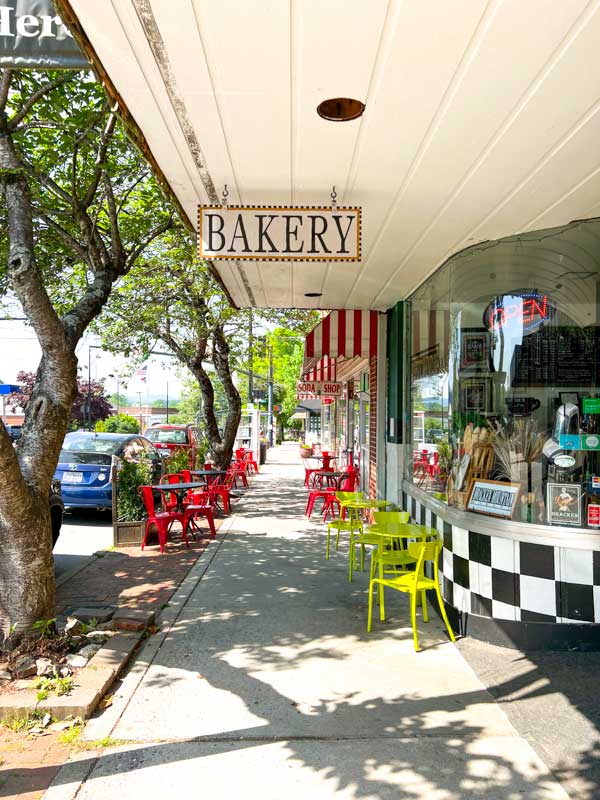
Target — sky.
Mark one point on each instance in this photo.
(19, 350)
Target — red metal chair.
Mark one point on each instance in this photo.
(199, 507)
(169, 500)
(250, 460)
(162, 519)
(238, 471)
(218, 490)
(347, 484)
(318, 492)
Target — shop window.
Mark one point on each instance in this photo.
(504, 379)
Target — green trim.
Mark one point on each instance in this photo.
(395, 328)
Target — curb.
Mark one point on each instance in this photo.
(76, 570)
(90, 684)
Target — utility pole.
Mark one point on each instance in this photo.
(270, 395)
(140, 402)
(89, 386)
(250, 357)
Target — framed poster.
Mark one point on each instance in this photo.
(475, 394)
(493, 498)
(474, 348)
(563, 503)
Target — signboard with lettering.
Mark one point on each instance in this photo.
(591, 405)
(279, 233)
(318, 389)
(33, 36)
(494, 498)
(563, 504)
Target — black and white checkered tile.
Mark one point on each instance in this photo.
(504, 579)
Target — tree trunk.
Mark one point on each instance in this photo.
(26, 565)
(220, 447)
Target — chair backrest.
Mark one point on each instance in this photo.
(199, 498)
(147, 497)
(349, 482)
(172, 477)
(425, 551)
(350, 496)
(391, 517)
(186, 475)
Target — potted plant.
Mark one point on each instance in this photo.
(129, 514)
(306, 450)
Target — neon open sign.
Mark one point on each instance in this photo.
(528, 309)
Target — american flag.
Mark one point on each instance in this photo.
(141, 373)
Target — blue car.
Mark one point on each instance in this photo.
(85, 462)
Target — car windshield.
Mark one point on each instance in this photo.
(89, 449)
(166, 436)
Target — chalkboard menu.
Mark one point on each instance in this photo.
(557, 356)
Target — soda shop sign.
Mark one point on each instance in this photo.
(318, 389)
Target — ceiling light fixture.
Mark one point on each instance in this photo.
(340, 109)
(313, 294)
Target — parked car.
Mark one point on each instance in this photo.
(171, 438)
(85, 461)
(14, 431)
(57, 508)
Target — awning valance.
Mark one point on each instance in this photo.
(342, 334)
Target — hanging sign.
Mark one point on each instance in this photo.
(529, 309)
(318, 389)
(279, 233)
(33, 36)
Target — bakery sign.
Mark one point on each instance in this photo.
(318, 389)
(279, 233)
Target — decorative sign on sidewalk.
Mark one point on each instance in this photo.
(279, 233)
(495, 498)
(318, 389)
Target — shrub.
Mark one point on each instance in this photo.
(119, 423)
(131, 476)
(178, 461)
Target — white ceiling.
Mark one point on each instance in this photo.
(482, 120)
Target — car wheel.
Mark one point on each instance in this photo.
(56, 515)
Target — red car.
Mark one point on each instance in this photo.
(174, 438)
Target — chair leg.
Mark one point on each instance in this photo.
(444, 615)
(413, 618)
(370, 615)
(351, 558)
(381, 592)
(424, 605)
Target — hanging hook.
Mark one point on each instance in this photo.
(225, 196)
(333, 197)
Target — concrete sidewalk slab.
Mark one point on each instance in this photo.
(371, 769)
(267, 683)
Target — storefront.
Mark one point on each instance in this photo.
(501, 432)
(343, 349)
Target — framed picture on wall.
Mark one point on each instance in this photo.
(475, 395)
(474, 348)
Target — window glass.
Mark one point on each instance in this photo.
(166, 436)
(504, 378)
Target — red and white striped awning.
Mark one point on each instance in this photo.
(341, 334)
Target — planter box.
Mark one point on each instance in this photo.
(128, 534)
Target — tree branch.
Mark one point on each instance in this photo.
(65, 236)
(5, 82)
(45, 88)
(155, 233)
(100, 158)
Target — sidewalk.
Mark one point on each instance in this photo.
(126, 577)
(267, 683)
